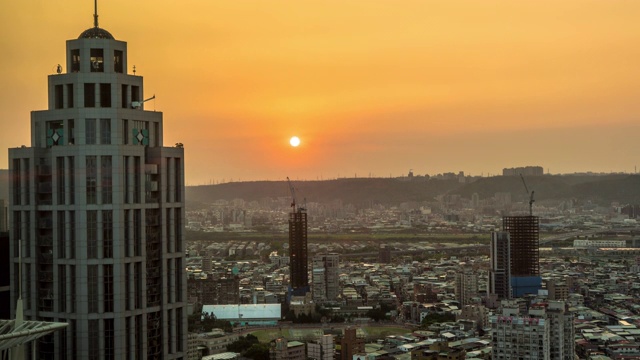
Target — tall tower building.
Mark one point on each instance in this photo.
(98, 203)
(547, 332)
(298, 265)
(326, 282)
(466, 285)
(524, 252)
(500, 270)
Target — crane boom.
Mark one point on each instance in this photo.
(531, 201)
(293, 194)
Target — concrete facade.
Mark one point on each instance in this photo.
(98, 203)
(325, 280)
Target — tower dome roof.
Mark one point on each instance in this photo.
(96, 33)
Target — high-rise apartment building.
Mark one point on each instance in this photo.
(321, 349)
(98, 203)
(546, 332)
(326, 283)
(466, 286)
(524, 253)
(298, 258)
(500, 269)
(351, 344)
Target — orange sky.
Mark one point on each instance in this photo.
(370, 87)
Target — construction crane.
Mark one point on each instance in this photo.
(531, 201)
(293, 198)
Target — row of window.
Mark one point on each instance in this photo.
(134, 132)
(96, 60)
(92, 99)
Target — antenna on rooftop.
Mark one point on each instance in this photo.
(95, 13)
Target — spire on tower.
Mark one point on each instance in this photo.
(95, 13)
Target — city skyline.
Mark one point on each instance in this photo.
(371, 89)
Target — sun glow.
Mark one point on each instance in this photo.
(294, 141)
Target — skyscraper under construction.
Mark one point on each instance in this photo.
(298, 262)
(524, 253)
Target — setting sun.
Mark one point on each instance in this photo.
(294, 141)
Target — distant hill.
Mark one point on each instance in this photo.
(357, 191)
(366, 191)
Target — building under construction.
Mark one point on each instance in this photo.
(298, 262)
(525, 249)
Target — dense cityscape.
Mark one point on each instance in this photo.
(106, 254)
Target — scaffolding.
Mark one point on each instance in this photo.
(298, 263)
(525, 247)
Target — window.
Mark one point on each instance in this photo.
(107, 234)
(94, 339)
(125, 132)
(92, 179)
(108, 287)
(90, 131)
(60, 177)
(167, 222)
(127, 233)
(125, 96)
(177, 183)
(127, 184)
(71, 132)
(62, 290)
(97, 60)
(137, 183)
(72, 235)
(178, 279)
(55, 133)
(72, 180)
(156, 134)
(105, 171)
(105, 95)
(118, 61)
(92, 234)
(177, 220)
(69, 95)
(58, 98)
(89, 95)
(137, 232)
(127, 286)
(138, 285)
(135, 93)
(16, 179)
(92, 291)
(61, 236)
(75, 60)
(72, 288)
(179, 329)
(105, 131)
(109, 339)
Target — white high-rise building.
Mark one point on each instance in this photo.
(98, 203)
(466, 286)
(325, 277)
(500, 269)
(546, 333)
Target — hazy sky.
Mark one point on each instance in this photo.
(370, 87)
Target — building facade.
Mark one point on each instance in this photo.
(351, 344)
(326, 282)
(524, 232)
(466, 286)
(281, 349)
(546, 332)
(98, 204)
(500, 269)
(298, 257)
(321, 349)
